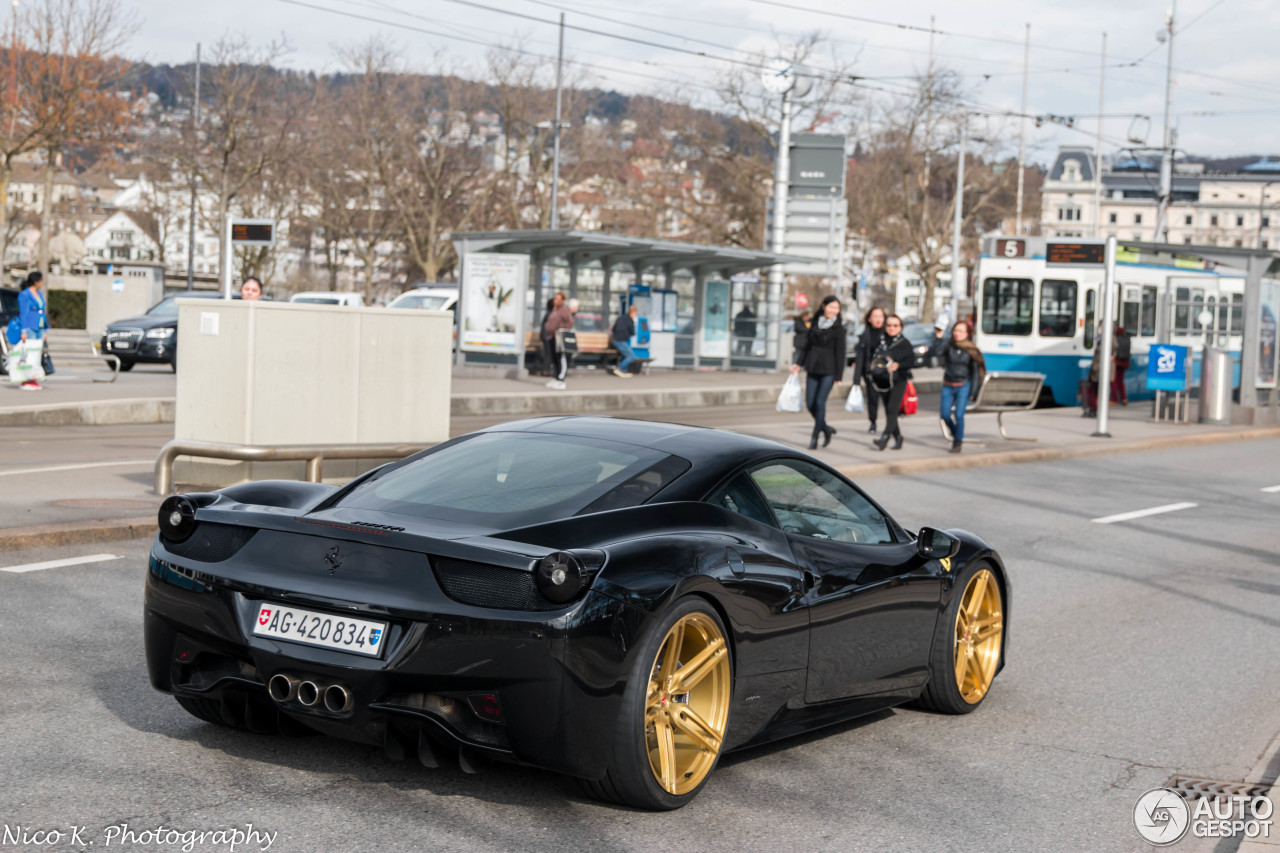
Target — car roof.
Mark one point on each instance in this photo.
(435, 290)
(337, 294)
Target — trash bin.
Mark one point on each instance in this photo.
(1215, 386)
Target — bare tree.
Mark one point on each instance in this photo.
(250, 124)
(75, 78)
(908, 209)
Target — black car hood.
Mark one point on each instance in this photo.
(144, 321)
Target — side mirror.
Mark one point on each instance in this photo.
(935, 545)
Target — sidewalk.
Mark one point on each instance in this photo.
(146, 395)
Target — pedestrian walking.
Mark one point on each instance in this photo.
(799, 331)
(890, 370)
(623, 331)
(823, 359)
(561, 319)
(868, 342)
(1124, 350)
(744, 329)
(26, 335)
(962, 369)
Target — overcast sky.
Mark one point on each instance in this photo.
(1226, 78)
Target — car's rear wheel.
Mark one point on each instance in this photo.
(675, 712)
(968, 645)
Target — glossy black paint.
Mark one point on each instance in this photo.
(820, 631)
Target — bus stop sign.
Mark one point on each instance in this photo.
(1167, 368)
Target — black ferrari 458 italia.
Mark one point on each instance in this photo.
(620, 601)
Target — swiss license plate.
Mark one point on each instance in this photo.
(325, 630)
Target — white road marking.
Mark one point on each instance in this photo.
(58, 564)
(1142, 513)
(1272, 489)
(77, 467)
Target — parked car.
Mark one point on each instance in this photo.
(153, 337)
(921, 337)
(329, 297)
(428, 299)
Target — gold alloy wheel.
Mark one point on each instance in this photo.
(979, 631)
(687, 704)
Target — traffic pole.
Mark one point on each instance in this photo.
(1106, 340)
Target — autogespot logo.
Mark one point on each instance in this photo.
(1161, 816)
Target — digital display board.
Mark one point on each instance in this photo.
(252, 233)
(1075, 253)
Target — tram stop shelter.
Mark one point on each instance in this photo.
(705, 307)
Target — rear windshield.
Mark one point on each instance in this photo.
(516, 479)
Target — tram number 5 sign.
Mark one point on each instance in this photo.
(1011, 248)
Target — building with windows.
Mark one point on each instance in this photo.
(124, 236)
(1239, 208)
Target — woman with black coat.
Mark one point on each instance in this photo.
(890, 369)
(868, 341)
(822, 355)
(962, 370)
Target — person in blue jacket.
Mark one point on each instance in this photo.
(26, 335)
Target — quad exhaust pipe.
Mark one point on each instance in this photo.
(334, 698)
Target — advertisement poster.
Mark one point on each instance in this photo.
(714, 342)
(492, 295)
(1269, 315)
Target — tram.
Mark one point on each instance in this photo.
(1037, 307)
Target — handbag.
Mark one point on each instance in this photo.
(792, 397)
(566, 341)
(856, 402)
(880, 374)
(46, 362)
(910, 402)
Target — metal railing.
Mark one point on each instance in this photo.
(313, 454)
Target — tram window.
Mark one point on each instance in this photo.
(1197, 305)
(1224, 316)
(1057, 308)
(1007, 306)
(1148, 324)
(1129, 317)
(1237, 314)
(1182, 310)
(1090, 317)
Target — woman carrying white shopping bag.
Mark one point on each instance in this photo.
(26, 336)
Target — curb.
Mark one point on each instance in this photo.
(1047, 454)
(622, 400)
(140, 410)
(76, 533)
(80, 533)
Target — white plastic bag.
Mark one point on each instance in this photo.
(792, 397)
(856, 402)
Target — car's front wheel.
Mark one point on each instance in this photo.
(675, 712)
(968, 644)
(126, 365)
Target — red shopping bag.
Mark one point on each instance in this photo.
(910, 402)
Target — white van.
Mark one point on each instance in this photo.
(329, 297)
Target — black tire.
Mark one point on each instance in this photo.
(942, 694)
(173, 365)
(126, 365)
(631, 779)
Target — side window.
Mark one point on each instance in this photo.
(1057, 309)
(8, 303)
(1148, 326)
(741, 497)
(1007, 306)
(809, 501)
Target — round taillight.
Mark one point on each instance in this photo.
(177, 518)
(559, 576)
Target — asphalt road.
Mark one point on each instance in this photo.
(1138, 649)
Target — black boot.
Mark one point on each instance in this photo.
(813, 442)
(955, 446)
(881, 441)
(872, 429)
(827, 432)
(897, 441)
